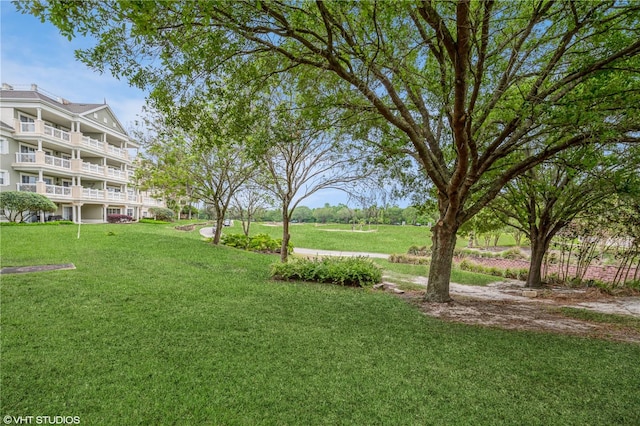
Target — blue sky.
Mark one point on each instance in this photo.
(35, 52)
(32, 52)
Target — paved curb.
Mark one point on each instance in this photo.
(37, 268)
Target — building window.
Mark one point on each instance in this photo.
(130, 212)
(4, 146)
(4, 178)
(113, 211)
(28, 179)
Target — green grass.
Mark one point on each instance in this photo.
(157, 327)
(587, 315)
(386, 239)
(457, 275)
(382, 239)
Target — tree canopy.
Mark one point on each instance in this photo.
(464, 88)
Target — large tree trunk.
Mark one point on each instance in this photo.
(539, 246)
(444, 241)
(284, 249)
(218, 230)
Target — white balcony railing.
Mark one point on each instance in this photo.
(57, 133)
(92, 168)
(93, 194)
(116, 173)
(59, 191)
(57, 162)
(92, 143)
(118, 152)
(151, 201)
(26, 187)
(23, 157)
(115, 196)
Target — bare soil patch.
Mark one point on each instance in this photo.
(502, 305)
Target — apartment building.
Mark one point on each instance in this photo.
(76, 154)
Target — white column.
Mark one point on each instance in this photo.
(39, 144)
(39, 113)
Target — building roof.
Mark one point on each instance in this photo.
(76, 108)
(35, 93)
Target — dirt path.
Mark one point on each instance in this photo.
(502, 305)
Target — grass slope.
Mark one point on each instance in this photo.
(156, 327)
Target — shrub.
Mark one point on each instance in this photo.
(264, 243)
(405, 258)
(16, 206)
(351, 271)
(260, 242)
(161, 213)
(119, 218)
(240, 241)
(514, 254)
(419, 251)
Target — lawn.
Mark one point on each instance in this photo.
(374, 239)
(157, 327)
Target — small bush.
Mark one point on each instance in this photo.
(351, 271)
(240, 241)
(262, 243)
(419, 251)
(161, 213)
(413, 260)
(119, 218)
(514, 254)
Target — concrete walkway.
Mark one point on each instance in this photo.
(207, 232)
(316, 252)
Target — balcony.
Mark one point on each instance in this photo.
(92, 168)
(57, 133)
(116, 173)
(151, 201)
(71, 138)
(22, 157)
(53, 191)
(92, 194)
(92, 143)
(27, 187)
(78, 193)
(41, 159)
(57, 162)
(115, 196)
(58, 191)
